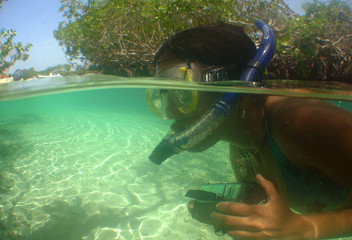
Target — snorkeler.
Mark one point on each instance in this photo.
(297, 149)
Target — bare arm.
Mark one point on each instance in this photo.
(332, 224)
(313, 134)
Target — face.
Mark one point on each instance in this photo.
(184, 106)
(171, 103)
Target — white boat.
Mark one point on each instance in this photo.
(30, 79)
(51, 75)
(6, 80)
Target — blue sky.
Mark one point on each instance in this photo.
(35, 21)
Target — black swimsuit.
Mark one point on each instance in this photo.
(308, 193)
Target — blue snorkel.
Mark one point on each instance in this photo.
(175, 143)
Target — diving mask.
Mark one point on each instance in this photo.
(161, 101)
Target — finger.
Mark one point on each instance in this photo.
(234, 222)
(248, 235)
(191, 205)
(269, 187)
(234, 208)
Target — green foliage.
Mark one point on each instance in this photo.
(322, 25)
(125, 34)
(319, 43)
(31, 72)
(1, 3)
(11, 52)
(79, 35)
(58, 69)
(28, 73)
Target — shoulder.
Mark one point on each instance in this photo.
(312, 133)
(307, 119)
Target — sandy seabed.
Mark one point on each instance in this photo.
(86, 175)
(74, 166)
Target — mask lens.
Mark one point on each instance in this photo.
(185, 100)
(156, 101)
(163, 101)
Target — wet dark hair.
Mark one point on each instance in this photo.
(217, 45)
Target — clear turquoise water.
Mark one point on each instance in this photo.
(75, 165)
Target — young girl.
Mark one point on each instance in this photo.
(298, 149)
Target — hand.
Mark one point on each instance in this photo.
(272, 220)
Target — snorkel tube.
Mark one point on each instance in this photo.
(175, 143)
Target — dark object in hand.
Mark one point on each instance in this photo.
(209, 195)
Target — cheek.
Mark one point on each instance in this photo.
(206, 100)
(173, 112)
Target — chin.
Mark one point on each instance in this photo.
(183, 122)
(180, 125)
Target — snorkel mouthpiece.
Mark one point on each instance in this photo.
(175, 143)
(164, 150)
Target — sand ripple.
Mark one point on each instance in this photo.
(87, 176)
